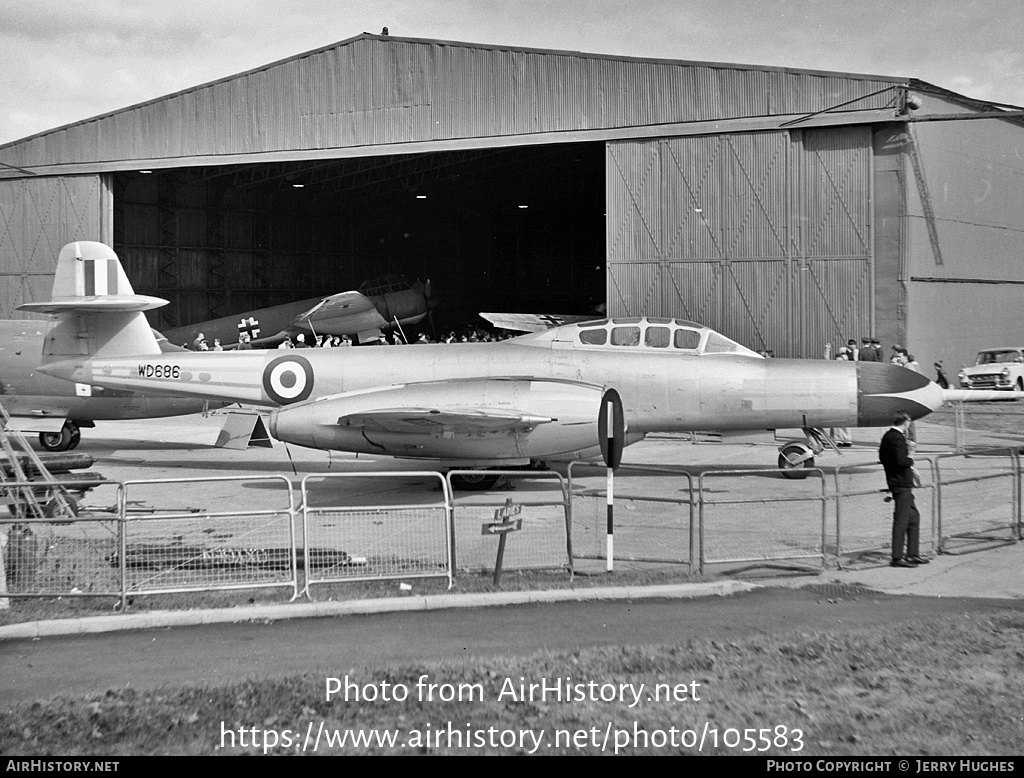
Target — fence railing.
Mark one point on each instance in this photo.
(202, 549)
(655, 513)
(544, 538)
(796, 518)
(346, 542)
(967, 513)
(410, 525)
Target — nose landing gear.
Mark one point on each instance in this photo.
(796, 457)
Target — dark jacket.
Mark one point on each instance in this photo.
(894, 454)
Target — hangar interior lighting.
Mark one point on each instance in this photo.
(145, 171)
(421, 197)
(297, 186)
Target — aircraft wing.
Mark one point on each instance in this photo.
(345, 313)
(457, 421)
(534, 322)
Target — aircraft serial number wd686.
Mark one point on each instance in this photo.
(159, 371)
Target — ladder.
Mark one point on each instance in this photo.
(24, 500)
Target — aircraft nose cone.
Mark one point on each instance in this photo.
(883, 389)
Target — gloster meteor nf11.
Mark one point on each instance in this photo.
(535, 397)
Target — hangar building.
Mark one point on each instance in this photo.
(785, 208)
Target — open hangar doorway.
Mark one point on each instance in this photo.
(515, 229)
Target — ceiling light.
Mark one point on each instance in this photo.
(145, 171)
(421, 197)
(297, 186)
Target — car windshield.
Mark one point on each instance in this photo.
(995, 357)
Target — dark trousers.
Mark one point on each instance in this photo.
(906, 524)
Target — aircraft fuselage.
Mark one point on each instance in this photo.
(25, 391)
(341, 398)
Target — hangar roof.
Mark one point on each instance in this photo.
(376, 94)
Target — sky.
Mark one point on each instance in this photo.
(68, 60)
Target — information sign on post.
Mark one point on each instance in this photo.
(502, 525)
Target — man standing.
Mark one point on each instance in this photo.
(867, 354)
(894, 454)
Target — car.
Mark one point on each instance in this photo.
(995, 368)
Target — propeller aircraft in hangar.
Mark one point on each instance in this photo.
(379, 304)
(500, 404)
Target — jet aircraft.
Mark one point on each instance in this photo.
(535, 397)
(57, 410)
(379, 304)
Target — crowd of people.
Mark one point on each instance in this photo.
(871, 350)
(301, 340)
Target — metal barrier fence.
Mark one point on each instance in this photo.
(543, 543)
(54, 556)
(863, 514)
(961, 426)
(792, 536)
(661, 514)
(651, 523)
(193, 549)
(375, 541)
(967, 512)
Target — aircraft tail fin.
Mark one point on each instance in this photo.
(97, 313)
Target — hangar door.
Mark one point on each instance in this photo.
(765, 237)
(38, 216)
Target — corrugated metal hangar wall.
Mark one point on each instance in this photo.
(785, 208)
(766, 237)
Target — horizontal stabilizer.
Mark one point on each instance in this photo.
(123, 303)
(423, 420)
(96, 312)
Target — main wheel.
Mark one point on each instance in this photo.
(54, 509)
(793, 459)
(477, 481)
(56, 441)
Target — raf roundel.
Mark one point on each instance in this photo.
(288, 379)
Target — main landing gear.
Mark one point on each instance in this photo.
(477, 481)
(481, 479)
(66, 439)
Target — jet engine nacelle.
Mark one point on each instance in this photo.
(486, 420)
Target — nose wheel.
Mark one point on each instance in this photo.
(794, 459)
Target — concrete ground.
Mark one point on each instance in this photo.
(183, 449)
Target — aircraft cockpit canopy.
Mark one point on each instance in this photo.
(668, 335)
(384, 285)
